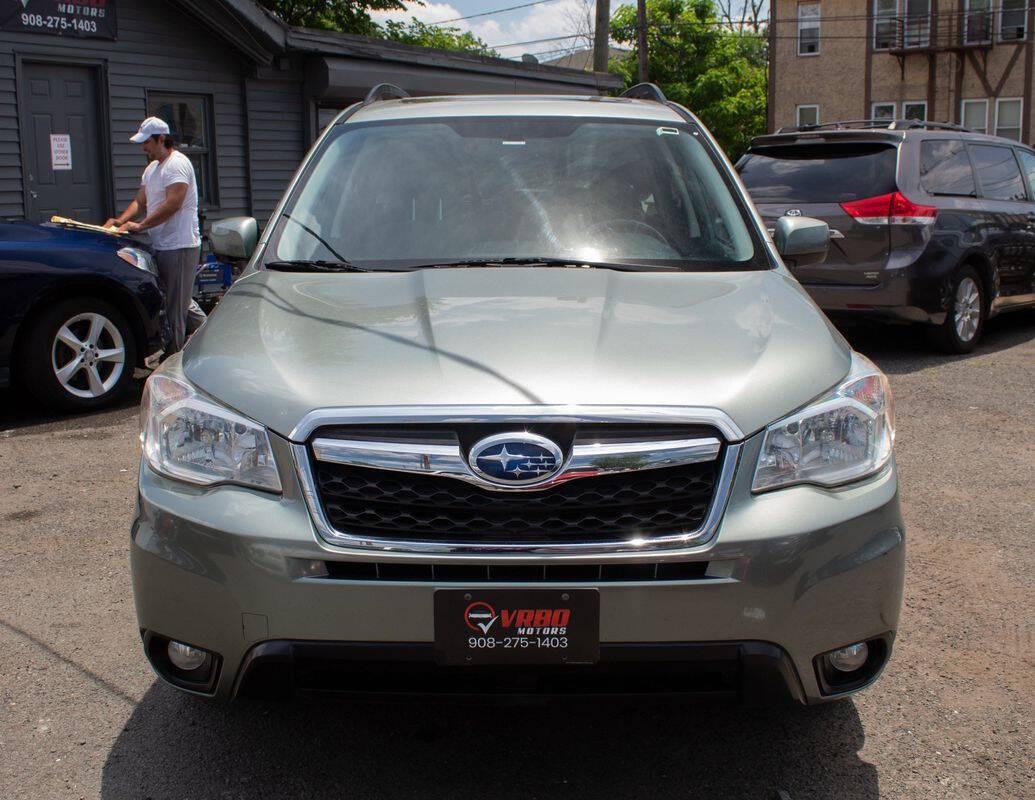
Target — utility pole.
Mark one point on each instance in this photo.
(641, 31)
(601, 34)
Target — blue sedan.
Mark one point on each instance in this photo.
(78, 311)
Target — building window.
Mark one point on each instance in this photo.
(190, 121)
(916, 109)
(808, 29)
(807, 115)
(977, 21)
(1008, 118)
(974, 115)
(1013, 16)
(917, 24)
(882, 111)
(885, 24)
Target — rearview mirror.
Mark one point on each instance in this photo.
(802, 240)
(234, 237)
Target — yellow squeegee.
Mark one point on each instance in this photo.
(86, 226)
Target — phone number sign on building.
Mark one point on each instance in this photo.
(93, 18)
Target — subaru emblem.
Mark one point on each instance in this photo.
(515, 459)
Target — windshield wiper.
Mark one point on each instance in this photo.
(534, 261)
(314, 265)
(316, 236)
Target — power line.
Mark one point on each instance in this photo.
(555, 51)
(683, 24)
(490, 13)
(540, 41)
(785, 37)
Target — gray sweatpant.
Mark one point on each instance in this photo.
(176, 274)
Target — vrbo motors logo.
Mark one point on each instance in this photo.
(481, 617)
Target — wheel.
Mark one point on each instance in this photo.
(78, 354)
(966, 316)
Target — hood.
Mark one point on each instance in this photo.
(49, 234)
(751, 344)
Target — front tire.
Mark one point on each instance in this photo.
(966, 315)
(78, 355)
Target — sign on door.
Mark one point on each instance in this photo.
(60, 151)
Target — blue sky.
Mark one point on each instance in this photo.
(543, 21)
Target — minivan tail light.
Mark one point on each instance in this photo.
(894, 209)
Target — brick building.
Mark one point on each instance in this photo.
(963, 61)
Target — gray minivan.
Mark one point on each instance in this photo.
(929, 222)
(516, 395)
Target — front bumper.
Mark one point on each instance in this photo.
(752, 673)
(791, 574)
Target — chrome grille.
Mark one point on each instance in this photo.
(408, 488)
(613, 507)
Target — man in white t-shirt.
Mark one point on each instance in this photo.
(168, 201)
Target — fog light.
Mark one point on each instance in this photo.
(188, 658)
(849, 659)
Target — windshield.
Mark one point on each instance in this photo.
(397, 195)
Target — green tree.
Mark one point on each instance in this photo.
(353, 16)
(417, 32)
(347, 16)
(718, 74)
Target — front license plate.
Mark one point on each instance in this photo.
(517, 626)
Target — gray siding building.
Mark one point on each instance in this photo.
(246, 94)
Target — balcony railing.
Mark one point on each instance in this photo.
(948, 31)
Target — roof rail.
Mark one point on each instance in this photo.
(882, 122)
(384, 90)
(645, 91)
(905, 124)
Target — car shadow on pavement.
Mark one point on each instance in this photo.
(18, 409)
(175, 746)
(901, 349)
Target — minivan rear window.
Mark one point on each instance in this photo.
(827, 173)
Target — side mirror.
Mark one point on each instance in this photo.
(234, 237)
(802, 240)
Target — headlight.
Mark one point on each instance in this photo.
(140, 259)
(845, 435)
(190, 438)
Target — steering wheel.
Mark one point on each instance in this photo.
(613, 224)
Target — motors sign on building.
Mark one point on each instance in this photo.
(91, 18)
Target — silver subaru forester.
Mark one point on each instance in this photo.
(517, 396)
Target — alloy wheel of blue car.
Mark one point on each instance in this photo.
(88, 355)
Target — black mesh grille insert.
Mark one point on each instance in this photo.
(399, 505)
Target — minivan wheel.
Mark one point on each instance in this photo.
(78, 355)
(966, 314)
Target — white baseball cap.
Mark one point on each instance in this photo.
(148, 128)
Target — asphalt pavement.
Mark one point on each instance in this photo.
(81, 715)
